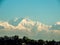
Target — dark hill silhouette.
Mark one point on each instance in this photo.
(15, 40)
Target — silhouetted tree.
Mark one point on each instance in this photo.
(15, 40)
(40, 42)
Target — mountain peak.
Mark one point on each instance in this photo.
(58, 23)
(26, 24)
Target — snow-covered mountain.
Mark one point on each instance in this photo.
(55, 26)
(15, 21)
(30, 28)
(28, 24)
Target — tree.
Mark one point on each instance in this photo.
(40, 42)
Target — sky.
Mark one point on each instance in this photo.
(37, 19)
(45, 11)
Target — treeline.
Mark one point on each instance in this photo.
(15, 40)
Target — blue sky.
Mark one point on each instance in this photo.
(45, 11)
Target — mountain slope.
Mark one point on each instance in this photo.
(30, 28)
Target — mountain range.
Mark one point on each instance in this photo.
(30, 28)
